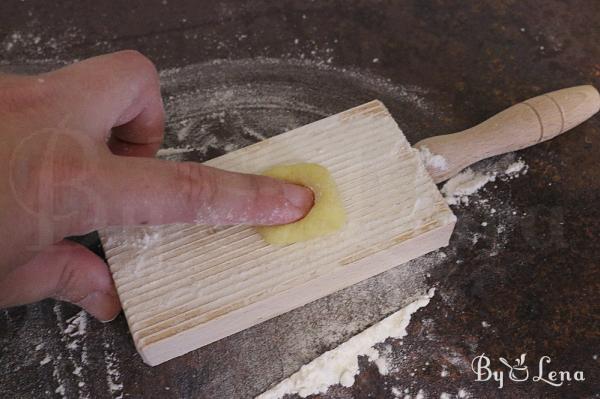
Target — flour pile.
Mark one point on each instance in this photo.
(457, 190)
(432, 161)
(340, 365)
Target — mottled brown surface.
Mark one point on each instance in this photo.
(537, 287)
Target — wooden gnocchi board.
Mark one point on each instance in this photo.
(185, 286)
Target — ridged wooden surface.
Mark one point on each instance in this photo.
(175, 282)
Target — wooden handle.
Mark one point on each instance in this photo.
(522, 125)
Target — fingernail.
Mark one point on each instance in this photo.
(111, 319)
(300, 197)
(103, 306)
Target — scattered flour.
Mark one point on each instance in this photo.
(73, 337)
(149, 238)
(340, 365)
(77, 325)
(516, 168)
(224, 104)
(458, 189)
(383, 361)
(253, 133)
(184, 131)
(60, 390)
(432, 161)
(31, 46)
(46, 360)
(113, 375)
(19, 38)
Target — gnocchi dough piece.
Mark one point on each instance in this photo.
(327, 214)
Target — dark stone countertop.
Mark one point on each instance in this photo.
(522, 279)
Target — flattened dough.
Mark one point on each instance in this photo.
(327, 214)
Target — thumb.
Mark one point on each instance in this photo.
(152, 191)
(66, 271)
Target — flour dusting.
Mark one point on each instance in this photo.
(432, 161)
(516, 168)
(221, 105)
(60, 390)
(73, 338)
(46, 360)
(463, 393)
(340, 365)
(184, 131)
(383, 361)
(458, 189)
(113, 374)
(77, 325)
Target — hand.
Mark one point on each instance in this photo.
(76, 155)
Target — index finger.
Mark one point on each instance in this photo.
(144, 191)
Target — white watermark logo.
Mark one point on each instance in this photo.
(519, 372)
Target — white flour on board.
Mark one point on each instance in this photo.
(432, 161)
(340, 365)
